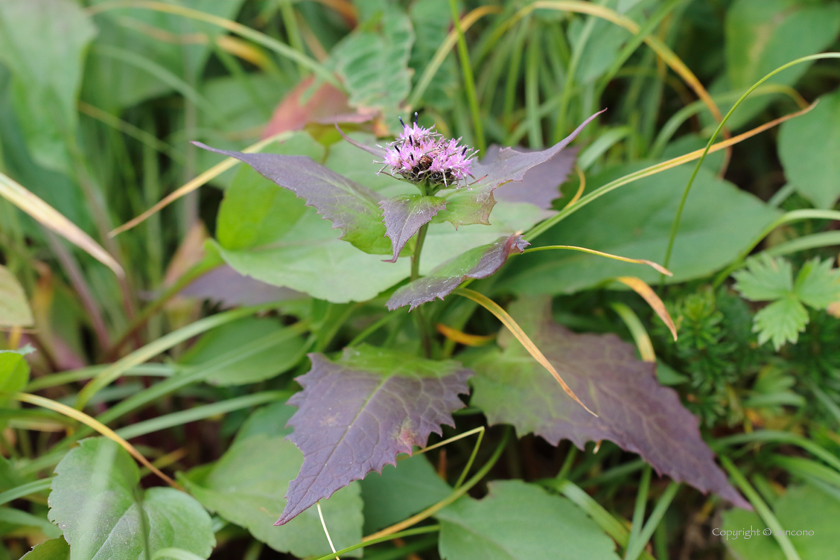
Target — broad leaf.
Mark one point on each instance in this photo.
(473, 204)
(810, 514)
(634, 411)
(351, 207)
(480, 262)
(541, 184)
(97, 503)
(404, 215)
(635, 221)
(14, 373)
(818, 284)
(265, 232)
(356, 414)
(14, 309)
(373, 65)
(247, 487)
(807, 145)
(401, 491)
(227, 288)
(53, 549)
(764, 278)
(245, 351)
(519, 521)
(47, 73)
(781, 321)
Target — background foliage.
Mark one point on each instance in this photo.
(150, 375)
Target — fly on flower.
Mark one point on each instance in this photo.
(422, 155)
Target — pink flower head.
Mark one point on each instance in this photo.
(422, 155)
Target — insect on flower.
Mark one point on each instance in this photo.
(422, 155)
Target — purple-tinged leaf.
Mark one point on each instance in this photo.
(511, 165)
(351, 207)
(634, 411)
(356, 414)
(228, 288)
(405, 214)
(480, 262)
(540, 186)
(473, 204)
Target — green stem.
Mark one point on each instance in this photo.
(422, 324)
(418, 248)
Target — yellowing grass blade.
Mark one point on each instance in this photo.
(637, 329)
(657, 267)
(193, 184)
(545, 225)
(96, 425)
(581, 188)
(53, 219)
(641, 288)
(464, 338)
(520, 335)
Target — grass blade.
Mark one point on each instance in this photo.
(51, 218)
(520, 335)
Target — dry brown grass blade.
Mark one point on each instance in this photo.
(641, 288)
(51, 218)
(520, 335)
(193, 184)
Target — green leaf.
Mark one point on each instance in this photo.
(248, 484)
(761, 36)
(255, 211)
(97, 503)
(14, 309)
(14, 374)
(373, 61)
(634, 221)
(807, 146)
(765, 278)
(401, 491)
(818, 284)
(781, 321)
(53, 549)
(43, 42)
(251, 349)
(808, 513)
(520, 521)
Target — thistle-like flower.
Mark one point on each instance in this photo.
(423, 155)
